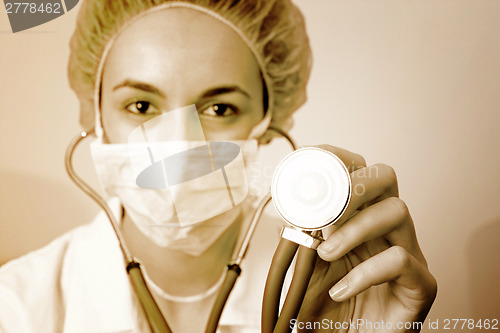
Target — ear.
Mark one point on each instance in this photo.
(275, 130)
(267, 137)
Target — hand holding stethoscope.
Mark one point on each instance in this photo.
(370, 263)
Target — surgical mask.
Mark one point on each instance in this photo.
(181, 194)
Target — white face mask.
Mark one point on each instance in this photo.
(182, 189)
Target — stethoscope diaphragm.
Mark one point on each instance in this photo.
(311, 188)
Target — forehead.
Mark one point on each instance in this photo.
(179, 43)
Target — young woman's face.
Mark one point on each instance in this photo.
(177, 57)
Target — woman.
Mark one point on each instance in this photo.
(244, 65)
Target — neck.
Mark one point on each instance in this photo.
(176, 272)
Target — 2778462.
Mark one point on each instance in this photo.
(33, 7)
(470, 324)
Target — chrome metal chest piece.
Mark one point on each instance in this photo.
(311, 189)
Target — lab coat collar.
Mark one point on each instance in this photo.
(98, 295)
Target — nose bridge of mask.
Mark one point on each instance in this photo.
(204, 179)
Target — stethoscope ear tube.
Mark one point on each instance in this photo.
(155, 318)
(233, 271)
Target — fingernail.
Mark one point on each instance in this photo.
(324, 248)
(339, 290)
(328, 246)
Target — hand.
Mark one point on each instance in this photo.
(370, 271)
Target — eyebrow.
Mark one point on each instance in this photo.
(224, 90)
(206, 94)
(140, 86)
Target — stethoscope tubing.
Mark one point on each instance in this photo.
(282, 259)
(156, 321)
(233, 272)
(304, 267)
(274, 321)
(233, 269)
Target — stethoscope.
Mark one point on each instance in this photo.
(304, 186)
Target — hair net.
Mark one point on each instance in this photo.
(274, 30)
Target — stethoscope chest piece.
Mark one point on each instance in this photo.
(311, 188)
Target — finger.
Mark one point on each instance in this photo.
(394, 264)
(351, 160)
(389, 218)
(370, 185)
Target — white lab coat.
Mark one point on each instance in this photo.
(78, 283)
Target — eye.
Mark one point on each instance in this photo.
(141, 107)
(219, 110)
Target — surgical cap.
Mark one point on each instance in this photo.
(273, 28)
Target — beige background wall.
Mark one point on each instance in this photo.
(414, 84)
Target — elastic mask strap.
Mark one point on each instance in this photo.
(261, 128)
(99, 132)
